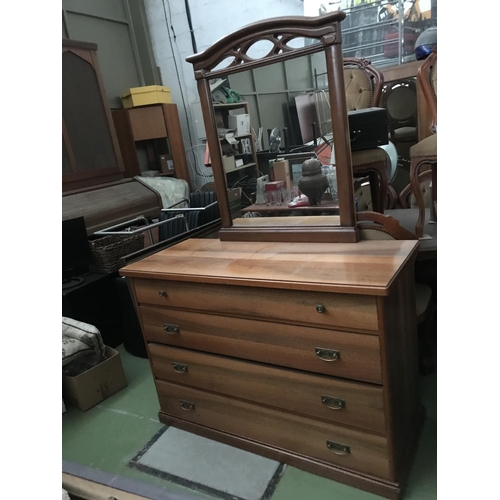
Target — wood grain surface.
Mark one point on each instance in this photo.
(273, 343)
(290, 390)
(368, 452)
(366, 267)
(233, 331)
(291, 306)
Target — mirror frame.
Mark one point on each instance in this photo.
(326, 29)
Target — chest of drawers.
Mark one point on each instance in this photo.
(305, 353)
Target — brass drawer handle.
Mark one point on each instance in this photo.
(327, 354)
(186, 405)
(338, 449)
(320, 308)
(180, 368)
(162, 293)
(333, 403)
(171, 329)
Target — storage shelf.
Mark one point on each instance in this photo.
(224, 110)
(240, 104)
(242, 166)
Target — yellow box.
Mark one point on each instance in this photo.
(142, 96)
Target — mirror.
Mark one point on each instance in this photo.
(277, 100)
(259, 75)
(280, 99)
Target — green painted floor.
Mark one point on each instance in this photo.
(109, 435)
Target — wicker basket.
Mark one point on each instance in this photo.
(108, 250)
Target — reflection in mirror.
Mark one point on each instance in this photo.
(267, 131)
(289, 110)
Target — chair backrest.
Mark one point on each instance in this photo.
(406, 196)
(376, 226)
(427, 79)
(400, 100)
(363, 84)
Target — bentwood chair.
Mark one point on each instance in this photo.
(424, 153)
(363, 88)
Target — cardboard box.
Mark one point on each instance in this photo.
(241, 123)
(142, 96)
(281, 172)
(228, 163)
(96, 384)
(167, 164)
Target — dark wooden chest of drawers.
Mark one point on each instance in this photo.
(305, 353)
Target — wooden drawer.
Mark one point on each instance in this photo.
(357, 312)
(272, 343)
(367, 453)
(356, 404)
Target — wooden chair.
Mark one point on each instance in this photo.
(400, 100)
(363, 195)
(363, 88)
(375, 226)
(407, 198)
(425, 151)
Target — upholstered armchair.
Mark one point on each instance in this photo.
(363, 88)
(424, 153)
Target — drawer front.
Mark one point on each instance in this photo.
(355, 312)
(356, 404)
(349, 448)
(348, 355)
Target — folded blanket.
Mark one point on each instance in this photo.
(80, 338)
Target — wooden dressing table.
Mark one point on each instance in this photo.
(288, 336)
(304, 353)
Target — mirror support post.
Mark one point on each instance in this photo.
(215, 151)
(341, 138)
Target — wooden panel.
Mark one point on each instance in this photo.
(126, 141)
(147, 122)
(291, 306)
(368, 452)
(366, 267)
(387, 489)
(273, 343)
(107, 205)
(290, 390)
(91, 136)
(400, 367)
